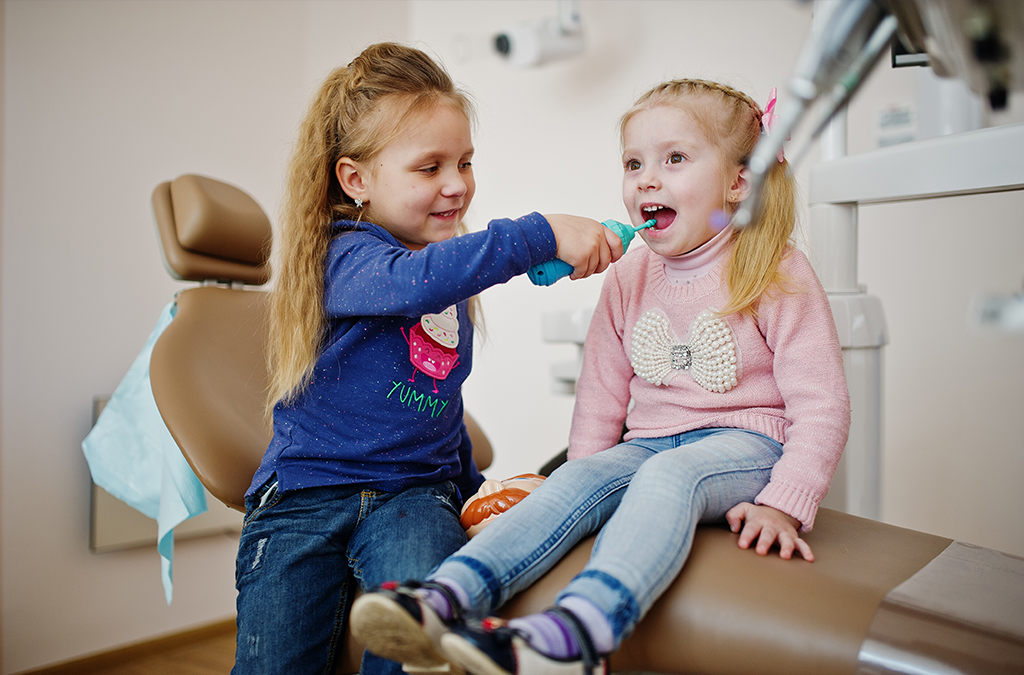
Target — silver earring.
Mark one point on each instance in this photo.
(359, 203)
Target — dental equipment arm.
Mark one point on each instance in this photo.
(978, 41)
(835, 61)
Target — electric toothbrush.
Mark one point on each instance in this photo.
(547, 273)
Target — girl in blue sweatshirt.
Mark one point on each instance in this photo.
(371, 335)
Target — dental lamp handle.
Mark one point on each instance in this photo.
(840, 53)
(547, 273)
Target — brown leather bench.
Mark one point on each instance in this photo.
(878, 598)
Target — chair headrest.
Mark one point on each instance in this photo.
(210, 230)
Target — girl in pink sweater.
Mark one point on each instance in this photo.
(716, 351)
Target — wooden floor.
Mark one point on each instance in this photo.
(211, 656)
(209, 650)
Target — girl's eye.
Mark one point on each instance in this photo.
(675, 158)
(429, 169)
(466, 165)
(632, 165)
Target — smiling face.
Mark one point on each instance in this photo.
(420, 185)
(674, 174)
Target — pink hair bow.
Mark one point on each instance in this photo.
(769, 117)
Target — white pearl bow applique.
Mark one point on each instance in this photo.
(710, 356)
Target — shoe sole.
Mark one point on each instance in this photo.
(386, 629)
(464, 653)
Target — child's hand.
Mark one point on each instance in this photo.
(585, 244)
(768, 525)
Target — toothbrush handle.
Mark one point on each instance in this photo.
(547, 273)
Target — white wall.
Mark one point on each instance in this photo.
(954, 441)
(104, 99)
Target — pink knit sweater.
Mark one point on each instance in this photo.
(788, 382)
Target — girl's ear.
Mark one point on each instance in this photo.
(350, 176)
(740, 188)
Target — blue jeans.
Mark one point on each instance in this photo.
(646, 496)
(302, 553)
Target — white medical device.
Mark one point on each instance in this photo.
(533, 44)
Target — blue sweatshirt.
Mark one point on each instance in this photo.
(384, 407)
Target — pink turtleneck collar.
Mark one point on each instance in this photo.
(687, 268)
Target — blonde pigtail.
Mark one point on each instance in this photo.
(753, 267)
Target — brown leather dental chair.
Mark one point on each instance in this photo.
(208, 369)
(878, 598)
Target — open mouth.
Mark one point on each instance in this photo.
(662, 214)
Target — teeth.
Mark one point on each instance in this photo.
(652, 209)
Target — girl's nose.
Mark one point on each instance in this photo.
(454, 184)
(648, 180)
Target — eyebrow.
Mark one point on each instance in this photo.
(436, 152)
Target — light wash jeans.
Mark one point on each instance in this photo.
(302, 553)
(646, 496)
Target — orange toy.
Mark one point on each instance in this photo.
(494, 498)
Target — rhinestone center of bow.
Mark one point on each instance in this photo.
(682, 357)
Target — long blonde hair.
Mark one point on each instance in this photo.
(355, 113)
(732, 120)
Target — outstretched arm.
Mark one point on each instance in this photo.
(767, 526)
(585, 244)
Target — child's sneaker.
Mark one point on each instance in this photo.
(493, 648)
(394, 622)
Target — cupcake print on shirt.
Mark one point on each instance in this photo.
(432, 344)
